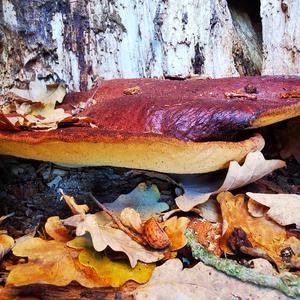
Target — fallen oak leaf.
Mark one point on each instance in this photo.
(132, 219)
(283, 208)
(104, 236)
(201, 282)
(116, 272)
(40, 92)
(144, 199)
(50, 262)
(254, 168)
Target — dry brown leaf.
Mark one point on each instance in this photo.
(6, 244)
(208, 234)
(175, 228)
(263, 266)
(103, 236)
(264, 234)
(75, 208)
(55, 228)
(254, 168)
(171, 281)
(255, 209)
(50, 262)
(284, 208)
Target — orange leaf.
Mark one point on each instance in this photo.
(263, 233)
(175, 228)
(51, 262)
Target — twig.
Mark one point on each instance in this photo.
(5, 217)
(240, 95)
(134, 236)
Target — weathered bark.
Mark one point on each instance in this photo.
(281, 35)
(78, 41)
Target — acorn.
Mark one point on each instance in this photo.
(155, 235)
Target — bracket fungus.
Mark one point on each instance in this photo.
(186, 126)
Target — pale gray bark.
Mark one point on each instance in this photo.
(79, 41)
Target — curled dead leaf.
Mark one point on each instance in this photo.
(254, 168)
(282, 208)
(55, 229)
(50, 262)
(132, 219)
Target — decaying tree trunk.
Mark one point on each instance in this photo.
(78, 41)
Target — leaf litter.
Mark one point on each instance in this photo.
(112, 245)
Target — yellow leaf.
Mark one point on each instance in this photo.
(115, 272)
(50, 262)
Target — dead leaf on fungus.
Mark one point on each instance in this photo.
(175, 228)
(34, 109)
(254, 168)
(104, 236)
(171, 281)
(284, 208)
(266, 236)
(6, 244)
(50, 262)
(144, 199)
(40, 92)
